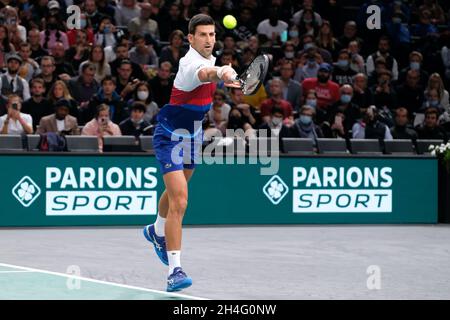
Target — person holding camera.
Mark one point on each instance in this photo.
(370, 127)
(101, 126)
(14, 121)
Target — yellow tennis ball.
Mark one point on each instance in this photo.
(229, 22)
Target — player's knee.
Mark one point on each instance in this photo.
(179, 205)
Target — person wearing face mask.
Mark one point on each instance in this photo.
(101, 126)
(143, 95)
(275, 128)
(415, 63)
(327, 90)
(136, 125)
(272, 27)
(342, 115)
(432, 101)
(383, 51)
(60, 121)
(304, 126)
(342, 73)
(308, 66)
(37, 106)
(106, 95)
(369, 127)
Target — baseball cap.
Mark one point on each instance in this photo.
(53, 4)
(325, 67)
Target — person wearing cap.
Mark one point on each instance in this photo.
(327, 91)
(11, 82)
(60, 121)
(136, 125)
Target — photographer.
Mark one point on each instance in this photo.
(370, 127)
(14, 121)
(101, 126)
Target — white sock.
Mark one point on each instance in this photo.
(174, 260)
(160, 224)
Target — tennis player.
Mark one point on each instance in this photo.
(178, 122)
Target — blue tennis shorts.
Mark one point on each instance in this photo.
(181, 153)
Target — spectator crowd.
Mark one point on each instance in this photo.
(329, 76)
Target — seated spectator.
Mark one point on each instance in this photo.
(122, 54)
(107, 33)
(240, 117)
(350, 34)
(369, 127)
(34, 39)
(53, 33)
(97, 58)
(435, 82)
(14, 121)
(73, 34)
(432, 101)
(326, 40)
(174, 51)
(144, 95)
(48, 73)
(142, 54)
(384, 95)
(60, 91)
(63, 69)
(292, 90)
(93, 15)
(37, 106)
(276, 99)
(29, 68)
(342, 73)
(311, 99)
(79, 52)
(402, 128)
(218, 114)
(136, 125)
(273, 27)
(357, 63)
(308, 66)
(108, 96)
(11, 82)
(415, 63)
(342, 115)
(362, 96)
(304, 126)
(430, 128)
(126, 84)
(327, 90)
(310, 47)
(144, 24)
(383, 51)
(410, 93)
(101, 126)
(126, 11)
(83, 87)
(425, 26)
(162, 84)
(60, 121)
(275, 127)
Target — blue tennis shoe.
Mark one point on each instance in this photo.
(178, 280)
(159, 243)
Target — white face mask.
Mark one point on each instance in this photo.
(142, 95)
(276, 121)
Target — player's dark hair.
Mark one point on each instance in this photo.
(199, 20)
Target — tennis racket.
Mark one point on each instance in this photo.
(252, 78)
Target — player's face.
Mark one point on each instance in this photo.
(203, 40)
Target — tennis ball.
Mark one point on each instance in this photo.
(229, 22)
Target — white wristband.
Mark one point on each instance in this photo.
(221, 70)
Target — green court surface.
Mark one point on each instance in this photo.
(21, 283)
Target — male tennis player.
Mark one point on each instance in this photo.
(191, 98)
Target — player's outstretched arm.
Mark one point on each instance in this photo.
(215, 74)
